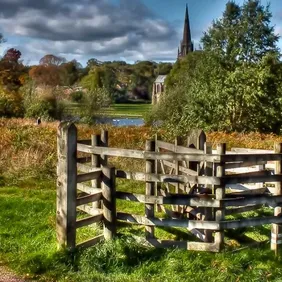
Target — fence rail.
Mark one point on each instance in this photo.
(188, 183)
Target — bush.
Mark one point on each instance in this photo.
(11, 104)
(76, 96)
(42, 102)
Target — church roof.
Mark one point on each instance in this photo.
(160, 79)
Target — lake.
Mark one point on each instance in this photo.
(116, 121)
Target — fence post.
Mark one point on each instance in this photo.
(109, 202)
(96, 163)
(208, 172)
(220, 194)
(104, 143)
(150, 189)
(276, 229)
(66, 185)
(158, 185)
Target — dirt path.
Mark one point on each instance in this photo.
(7, 276)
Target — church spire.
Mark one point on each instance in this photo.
(186, 44)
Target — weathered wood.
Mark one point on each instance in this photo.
(181, 168)
(208, 212)
(89, 220)
(66, 185)
(177, 148)
(166, 222)
(251, 157)
(89, 199)
(83, 160)
(240, 223)
(138, 154)
(109, 201)
(150, 189)
(191, 200)
(140, 176)
(104, 143)
(87, 189)
(89, 210)
(234, 179)
(253, 200)
(243, 164)
(220, 195)
(276, 229)
(85, 167)
(84, 141)
(253, 151)
(191, 246)
(242, 209)
(89, 176)
(91, 242)
(158, 170)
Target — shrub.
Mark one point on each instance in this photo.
(76, 96)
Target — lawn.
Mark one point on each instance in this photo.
(28, 246)
(131, 110)
(118, 110)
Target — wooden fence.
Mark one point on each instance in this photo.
(186, 181)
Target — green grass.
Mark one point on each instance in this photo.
(131, 110)
(118, 110)
(28, 245)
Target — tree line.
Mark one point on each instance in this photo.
(45, 89)
(234, 83)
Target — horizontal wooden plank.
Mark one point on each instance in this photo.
(252, 200)
(181, 168)
(145, 155)
(243, 178)
(173, 199)
(153, 221)
(251, 157)
(87, 189)
(240, 223)
(83, 160)
(242, 209)
(88, 220)
(91, 242)
(168, 178)
(252, 151)
(243, 164)
(89, 210)
(89, 199)
(84, 141)
(191, 246)
(86, 168)
(89, 176)
(177, 149)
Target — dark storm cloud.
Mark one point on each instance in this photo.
(88, 27)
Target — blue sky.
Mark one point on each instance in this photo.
(108, 29)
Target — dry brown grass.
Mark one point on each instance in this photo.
(28, 150)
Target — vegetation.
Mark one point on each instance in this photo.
(28, 193)
(234, 82)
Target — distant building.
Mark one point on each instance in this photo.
(186, 46)
(158, 88)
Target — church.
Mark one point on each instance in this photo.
(186, 46)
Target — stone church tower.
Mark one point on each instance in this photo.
(186, 45)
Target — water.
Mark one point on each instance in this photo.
(116, 121)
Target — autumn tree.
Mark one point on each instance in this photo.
(51, 60)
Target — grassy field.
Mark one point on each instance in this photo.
(27, 219)
(118, 110)
(28, 246)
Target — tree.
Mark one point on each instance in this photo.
(234, 84)
(12, 55)
(243, 34)
(51, 60)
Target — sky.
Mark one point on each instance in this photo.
(108, 30)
